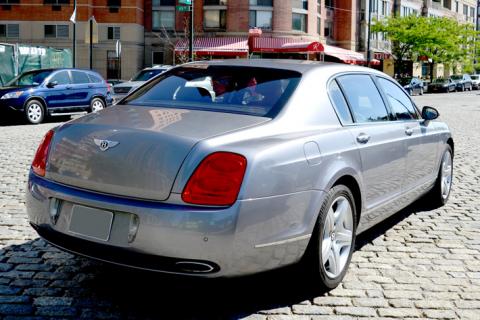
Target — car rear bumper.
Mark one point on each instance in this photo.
(251, 236)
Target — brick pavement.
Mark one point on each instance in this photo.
(419, 264)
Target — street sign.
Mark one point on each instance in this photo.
(118, 48)
(188, 2)
(183, 8)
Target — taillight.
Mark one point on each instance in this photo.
(109, 86)
(217, 180)
(39, 163)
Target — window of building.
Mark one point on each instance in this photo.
(113, 65)
(163, 19)
(7, 2)
(300, 4)
(215, 19)
(319, 7)
(265, 3)
(10, 30)
(363, 97)
(319, 25)
(158, 3)
(214, 2)
(456, 6)
(55, 2)
(56, 31)
(329, 4)
(157, 57)
(260, 19)
(328, 30)
(113, 33)
(114, 3)
(299, 22)
(465, 10)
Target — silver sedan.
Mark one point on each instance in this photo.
(236, 167)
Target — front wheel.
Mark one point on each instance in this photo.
(334, 239)
(96, 105)
(34, 112)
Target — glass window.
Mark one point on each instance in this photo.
(163, 19)
(157, 57)
(113, 33)
(215, 19)
(215, 2)
(339, 103)
(319, 25)
(260, 19)
(145, 75)
(243, 90)
(61, 78)
(400, 103)
(79, 77)
(300, 4)
(299, 22)
(157, 3)
(3, 30)
(50, 31)
(265, 3)
(62, 31)
(95, 78)
(363, 97)
(13, 30)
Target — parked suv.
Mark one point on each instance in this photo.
(53, 92)
(475, 81)
(122, 89)
(462, 82)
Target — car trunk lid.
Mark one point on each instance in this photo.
(145, 148)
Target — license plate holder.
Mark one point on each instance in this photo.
(91, 222)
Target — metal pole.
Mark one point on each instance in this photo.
(368, 32)
(74, 31)
(190, 42)
(91, 43)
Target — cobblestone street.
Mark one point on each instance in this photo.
(420, 263)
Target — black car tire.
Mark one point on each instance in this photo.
(435, 196)
(96, 105)
(34, 111)
(314, 259)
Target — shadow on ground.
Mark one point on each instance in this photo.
(104, 291)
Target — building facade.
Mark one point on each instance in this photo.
(47, 23)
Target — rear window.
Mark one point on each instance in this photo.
(146, 75)
(243, 90)
(94, 78)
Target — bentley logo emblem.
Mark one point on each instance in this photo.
(105, 144)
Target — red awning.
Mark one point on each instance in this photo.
(347, 56)
(215, 46)
(292, 45)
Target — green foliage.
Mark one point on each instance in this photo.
(442, 40)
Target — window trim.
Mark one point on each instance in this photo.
(56, 31)
(405, 92)
(113, 33)
(53, 74)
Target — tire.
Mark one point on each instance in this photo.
(440, 192)
(96, 105)
(34, 112)
(328, 260)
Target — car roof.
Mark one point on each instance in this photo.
(59, 69)
(301, 66)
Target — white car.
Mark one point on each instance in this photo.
(475, 81)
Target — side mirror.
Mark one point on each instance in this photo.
(429, 113)
(52, 84)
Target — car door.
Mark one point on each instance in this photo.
(81, 89)
(420, 139)
(380, 142)
(57, 93)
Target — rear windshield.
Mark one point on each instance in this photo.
(474, 77)
(456, 77)
(243, 90)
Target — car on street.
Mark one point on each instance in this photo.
(114, 82)
(442, 85)
(54, 92)
(412, 85)
(462, 82)
(122, 89)
(475, 81)
(228, 168)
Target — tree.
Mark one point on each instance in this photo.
(439, 39)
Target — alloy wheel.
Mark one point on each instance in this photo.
(446, 177)
(34, 112)
(97, 105)
(337, 237)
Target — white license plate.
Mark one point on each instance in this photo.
(91, 222)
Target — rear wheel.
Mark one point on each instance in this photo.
(34, 112)
(440, 193)
(334, 239)
(96, 105)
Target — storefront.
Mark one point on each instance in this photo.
(212, 48)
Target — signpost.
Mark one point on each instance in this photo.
(91, 36)
(187, 6)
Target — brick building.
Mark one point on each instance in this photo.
(47, 23)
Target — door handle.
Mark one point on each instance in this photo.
(408, 131)
(363, 138)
